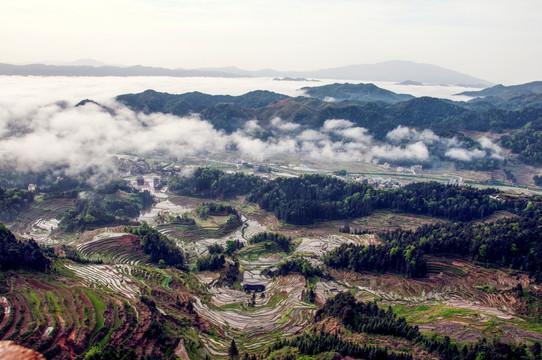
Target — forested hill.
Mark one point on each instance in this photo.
(507, 91)
(310, 198)
(13, 201)
(16, 254)
(184, 104)
(355, 92)
(514, 243)
(230, 113)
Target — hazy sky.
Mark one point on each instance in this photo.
(497, 40)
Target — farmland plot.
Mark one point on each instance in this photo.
(249, 229)
(118, 248)
(41, 230)
(164, 206)
(115, 277)
(281, 310)
(320, 246)
(455, 292)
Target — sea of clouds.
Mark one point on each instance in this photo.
(40, 126)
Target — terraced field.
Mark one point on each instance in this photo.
(163, 207)
(115, 277)
(458, 298)
(67, 313)
(80, 306)
(320, 246)
(197, 244)
(280, 311)
(41, 220)
(63, 320)
(114, 248)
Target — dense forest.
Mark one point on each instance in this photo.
(272, 240)
(401, 259)
(369, 318)
(161, 249)
(12, 202)
(112, 202)
(211, 262)
(526, 142)
(310, 198)
(15, 254)
(318, 343)
(513, 242)
(366, 317)
(211, 209)
(297, 265)
(213, 183)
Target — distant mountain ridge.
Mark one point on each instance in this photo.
(507, 91)
(394, 71)
(507, 97)
(399, 71)
(85, 70)
(355, 92)
(230, 113)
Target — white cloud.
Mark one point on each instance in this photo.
(417, 151)
(311, 135)
(278, 123)
(40, 127)
(336, 124)
(405, 133)
(464, 154)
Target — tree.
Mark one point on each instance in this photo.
(233, 351)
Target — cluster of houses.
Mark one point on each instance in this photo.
(131, 166)
(456, 181)
(379, 182)
(414, 169)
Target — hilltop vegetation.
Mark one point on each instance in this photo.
(526, 142)
(213, 183)
(114, 202)
(230, 113)
(355, 92)
(309, 198)
(12, 202)
(515, 243)
(161, 249)
(16, 254)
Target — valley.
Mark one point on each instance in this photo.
(374, 226)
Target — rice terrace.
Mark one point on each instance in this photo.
(387, 211)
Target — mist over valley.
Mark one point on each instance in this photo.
(179, 217)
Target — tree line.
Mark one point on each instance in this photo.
(369, 318)
(13, 201)
(112, 202)
(402, 259)
(271, 240)
(526, 142)
(159, 247)
(310, 198)
(213, 183)
(15, 254)
(512, 242)
(318, 343)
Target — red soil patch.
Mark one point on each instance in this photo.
(38, 285)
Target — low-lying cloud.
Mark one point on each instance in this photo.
(41, 130)
(414, 152)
